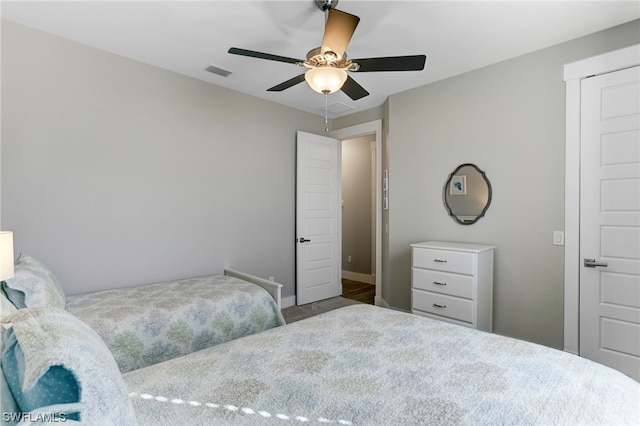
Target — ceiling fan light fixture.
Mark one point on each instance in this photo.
(327, 66)
(325, 79)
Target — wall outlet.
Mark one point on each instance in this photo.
(349, 259)
(272, 278)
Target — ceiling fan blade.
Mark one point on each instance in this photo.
(260, 55)
(392, 63)
(353, 90)
(291, 82)
(338, 32)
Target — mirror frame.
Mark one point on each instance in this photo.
(446, 185)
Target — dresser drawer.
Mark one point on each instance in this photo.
(440, 304)
(443, 282)
(443, 260)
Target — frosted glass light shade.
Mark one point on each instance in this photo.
(6, 255)
(325, 79)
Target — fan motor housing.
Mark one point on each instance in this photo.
(325, 5)
(315, 59)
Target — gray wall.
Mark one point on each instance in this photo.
(356, 209)
(116, 173)
(508, 119)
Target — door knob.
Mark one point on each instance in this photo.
(591, 263)
(303, 240)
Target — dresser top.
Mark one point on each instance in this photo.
(445, 245)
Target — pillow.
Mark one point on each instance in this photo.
(55, 363)
(8, 405)
(33, 285)
(6, 307)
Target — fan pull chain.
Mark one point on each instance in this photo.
(326, 107)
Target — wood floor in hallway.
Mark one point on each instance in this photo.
(355, 290)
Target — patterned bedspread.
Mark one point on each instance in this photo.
(147, 324)
(364, 365)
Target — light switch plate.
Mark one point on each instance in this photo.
(558, 238)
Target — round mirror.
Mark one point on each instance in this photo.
(467, 194)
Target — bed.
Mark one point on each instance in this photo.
(147, 324)
(359, 365)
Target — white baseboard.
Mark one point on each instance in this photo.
(379, 301)
(356, 276)
(288, 301)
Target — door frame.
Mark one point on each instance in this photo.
(573, 75)
(352, 132)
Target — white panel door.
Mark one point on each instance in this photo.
(610, 220)
(318, 218)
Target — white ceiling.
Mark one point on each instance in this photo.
(186, 37)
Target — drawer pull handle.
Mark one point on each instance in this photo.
(435, 305)
(439, 283)
(440, 260)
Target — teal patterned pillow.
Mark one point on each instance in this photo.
(33, 284)
(55, 363)
(56, 386)
(8, 405)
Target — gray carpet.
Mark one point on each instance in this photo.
(296, 313)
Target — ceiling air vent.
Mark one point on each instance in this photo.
(218, 71)
(338, 108)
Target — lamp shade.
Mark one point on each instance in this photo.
(325, 79)
(6, 255)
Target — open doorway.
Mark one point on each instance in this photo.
(358, 218)
(372, 132)
(319, 213)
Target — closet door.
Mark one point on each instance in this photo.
(610, 220)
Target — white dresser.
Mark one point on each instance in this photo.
(453, 282)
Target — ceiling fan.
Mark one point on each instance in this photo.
(327, 65)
